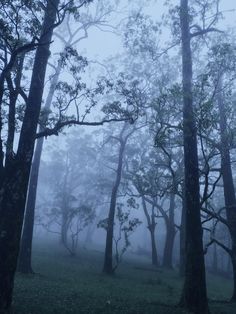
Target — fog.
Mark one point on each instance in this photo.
(117, 156)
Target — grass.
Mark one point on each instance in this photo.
(66, 285)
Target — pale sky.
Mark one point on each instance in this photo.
(102, 45)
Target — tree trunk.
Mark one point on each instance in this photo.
(233, 260)
(169, 245)
(194, 296)
(14, 188)
(215, 259)
(13, 96)
(229, 191)
(24, 260)
(182, 250)
(170, 235)
(154, 248)
(108, 260)
(151, 227)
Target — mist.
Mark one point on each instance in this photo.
(117, 157)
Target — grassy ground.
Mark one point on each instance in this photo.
(66, 285)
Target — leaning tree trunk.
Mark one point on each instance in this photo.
(170, 235)
(227, 176)
(14, 188)
(108, 259)
(194, 296)
(154, 248)
(151, 227)
(169, 246)
(24, 260)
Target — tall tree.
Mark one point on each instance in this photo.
(15, 182)
(194, 295)
(108, 258)
(227, 176)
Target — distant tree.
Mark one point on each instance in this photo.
(124, 227)
(122, 139)
(72, 188)
(142, 180)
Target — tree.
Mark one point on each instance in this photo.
(68, 53)
(125, 226)
(221, 68)
(16, 174)
(229, 190)
(141, 176)
(108, 258)
(194, 296)
(71, 177)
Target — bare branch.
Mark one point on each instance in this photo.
(60, 125)
(206, 31)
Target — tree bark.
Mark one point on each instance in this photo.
(169, 245)
(154, 248)
(151, 225)
(233, 260)
(194, 295)
(108, 259)
(13, 96)
(24, 259)
(227, 176)
(14, 188)
(215, 259)
(182, 238)
(170, 235)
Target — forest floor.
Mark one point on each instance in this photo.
(64, 285)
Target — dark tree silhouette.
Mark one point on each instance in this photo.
(194, 295)
(17, 170)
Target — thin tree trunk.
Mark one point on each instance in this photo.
(182, 252)
(215, 259)
(108, 259)
(170, 235)
(194, 296)
(14, 93)
(24, 259)
(151, 227)
(169, 245)
(233, 260)
(14, 188)
(154, 248)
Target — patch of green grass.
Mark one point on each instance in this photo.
(66, 285)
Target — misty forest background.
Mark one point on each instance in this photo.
(117, 156)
